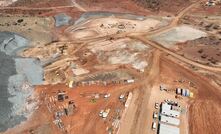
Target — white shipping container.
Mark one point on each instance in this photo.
(183, 92)
(178, 90)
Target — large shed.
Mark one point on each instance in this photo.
(166, 109)
(167, 129)
(169, 120)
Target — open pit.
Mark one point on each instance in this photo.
(18, 78)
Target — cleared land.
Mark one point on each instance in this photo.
(95, 58)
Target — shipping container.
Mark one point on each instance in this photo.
(178, 90)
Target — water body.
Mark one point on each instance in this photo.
(62, 19)
(17, 79)
(7, 68)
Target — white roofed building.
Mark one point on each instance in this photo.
(167, 129)
(166, 109)
(169, 120)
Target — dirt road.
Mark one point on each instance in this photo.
(75, 4)
(137, 112)
(174, 21)
(181, 58)
(129, 112)
(166, 28)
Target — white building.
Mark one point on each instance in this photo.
(166, 109)
(167, 129)
(169, 120)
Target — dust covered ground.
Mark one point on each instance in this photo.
(76, 58)
(204, 108)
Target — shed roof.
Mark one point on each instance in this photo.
(170, 120)
(167, 129)
(166, 109)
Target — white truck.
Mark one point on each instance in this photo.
(107, 95)
(105, 113)
(155, 115)
(154, 125)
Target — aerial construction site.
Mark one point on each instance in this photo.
(110, 67)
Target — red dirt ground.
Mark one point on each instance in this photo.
(122, 6)
(205, 110)
(85, 118)
(205, 10)
(204, 50)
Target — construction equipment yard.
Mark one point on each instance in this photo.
(93, 67)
